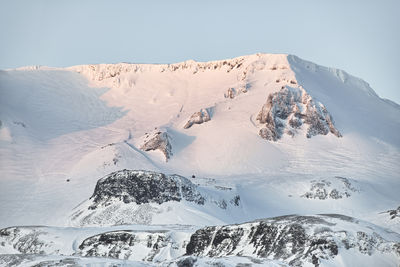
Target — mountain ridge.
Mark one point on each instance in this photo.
(65, 130)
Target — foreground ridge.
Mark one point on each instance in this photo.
(293, 240)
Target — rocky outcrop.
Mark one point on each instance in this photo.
(336, 188)
(114, 72)
(198, 118)
(288, 110)
(28, 242)
(134, 197)
(230, 93)
(158, 141)
(295, 240)
(394, 214)
(145, 245)
(16, 259)
(123, 244)
(143, 187)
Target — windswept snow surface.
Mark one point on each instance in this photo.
(63, 129)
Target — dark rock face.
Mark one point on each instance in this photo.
(120, 244)
(287, 110)
(235, 200)
(200, 240)
(292, 239)
(186, 262)
(143, 187)
(198, 118)
(158, 141)
(394, 214)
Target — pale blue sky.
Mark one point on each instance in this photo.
(361, 37)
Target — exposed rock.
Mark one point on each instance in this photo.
(65, 262)
(158, 141)
(244, 88)
(186, 262)
(295, 240)
(394, 214)
(198, 118)
(231, 93)
(288, 240)
(269, 133)
(143, 187)
(240, 89)
(121, 244)
(15, 259)
(20, 123)
(134, 197)
(200, 240)
(235, 200)
(27, 240)
(339, 187)
(137, 245)
(290, 108)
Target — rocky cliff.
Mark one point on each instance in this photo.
(296, 240)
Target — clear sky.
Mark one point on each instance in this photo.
(361, 37)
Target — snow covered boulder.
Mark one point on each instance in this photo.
(159, 140)
(199, 117)
(287, 110)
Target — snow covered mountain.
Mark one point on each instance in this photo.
(200, 144)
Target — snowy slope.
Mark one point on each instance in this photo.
(63, 129)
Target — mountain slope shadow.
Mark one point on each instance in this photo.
(179, 140)
(52, 102)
